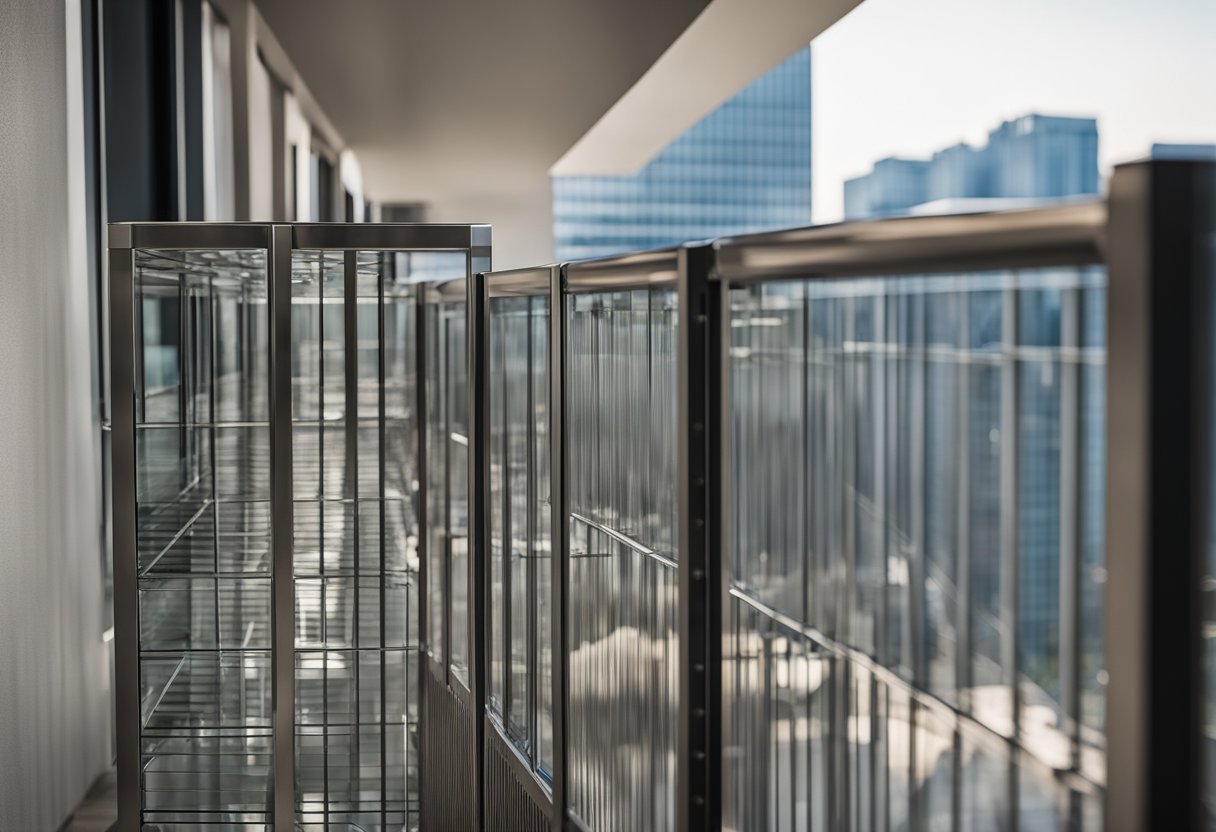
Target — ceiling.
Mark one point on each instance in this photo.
(466, 104)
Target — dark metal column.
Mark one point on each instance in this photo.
(698, 750)
(560, 537)
(1159, 458)
(123, 525)
(479, 498)
(282, 590)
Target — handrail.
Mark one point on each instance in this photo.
(636, 270)
(1058, 235)
(526, 282)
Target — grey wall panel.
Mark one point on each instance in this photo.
(54, 699)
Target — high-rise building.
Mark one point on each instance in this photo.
(894, 186)
(1031, 158)
(744, 167)
(1041, 157)
(958, 172)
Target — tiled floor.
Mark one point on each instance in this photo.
(98, 812)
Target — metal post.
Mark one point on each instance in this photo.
(424, 597)
(478, 520)
(559, 547)
(722, 506)
(350, 410)
(698, 751)
(123, 526)
(1159, 457)
(283, 595)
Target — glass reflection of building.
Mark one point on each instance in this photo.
(953, 427)
(744, 167)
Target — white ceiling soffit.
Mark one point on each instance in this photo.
(464, 105)
(728, 46)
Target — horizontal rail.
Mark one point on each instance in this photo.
(858, 658)
(624, 540)
(520, 282)
(628, 271)
(1061, 235)
(389, 236)
(474, 238)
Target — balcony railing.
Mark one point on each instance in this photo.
(898, 524)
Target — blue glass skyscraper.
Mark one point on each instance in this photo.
(744, 167)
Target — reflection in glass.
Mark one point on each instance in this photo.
(203, 535)
(355, 542)
(520, 563)
(621, 440)
(951, 428)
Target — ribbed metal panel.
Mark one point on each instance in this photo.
(448, 755)
(510, 804)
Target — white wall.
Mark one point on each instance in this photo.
(261, 141)
(54, 699)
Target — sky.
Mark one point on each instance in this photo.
(907, 77)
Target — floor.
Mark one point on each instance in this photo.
(98, 812)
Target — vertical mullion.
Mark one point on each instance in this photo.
(698, 752)
(422, 475)
(382, 505)
(321, 546)
(215, 512)
(123, 367)
(478, 491)
(530, 654)
(504, 410)
(721, 502)
(283, 607)
(559, 543)
(350, 356)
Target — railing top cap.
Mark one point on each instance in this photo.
(473, 237)
(639, 269)
(1066, 234)
(525, 282)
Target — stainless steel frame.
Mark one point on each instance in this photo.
(279, 241)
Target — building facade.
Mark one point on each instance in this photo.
(744, 167)
(1027, 159)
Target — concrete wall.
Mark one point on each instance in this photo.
(54, 677)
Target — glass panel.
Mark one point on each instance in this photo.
(517, 407)
(934, 770)
(499, 516)
(519, 524)
(542, 549)
(1039, 462)
(203, 535)
(942, 494)
(456, 439)
(436, 490)
(949, 431)
(621, 440)
(1092, 440)
(984, 782)
(768, 381)
(355, 540)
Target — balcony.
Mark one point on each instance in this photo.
(892, 524)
